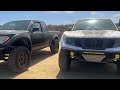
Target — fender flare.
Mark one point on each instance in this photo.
(53, 38)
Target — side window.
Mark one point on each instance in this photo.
(44, 27)
(37, 25)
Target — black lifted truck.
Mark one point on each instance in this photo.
(90, 40)
(19, 38)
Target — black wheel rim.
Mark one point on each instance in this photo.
(22, 59)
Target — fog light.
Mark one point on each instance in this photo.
(117, 56)
(72, 54)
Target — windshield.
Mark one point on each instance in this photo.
(94, 24)
(16, 25)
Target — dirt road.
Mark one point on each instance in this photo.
(45, 66)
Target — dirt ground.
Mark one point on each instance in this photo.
(45, 66)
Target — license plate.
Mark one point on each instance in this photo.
(93, 53)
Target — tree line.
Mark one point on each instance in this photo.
(63, 28)
(60, 28)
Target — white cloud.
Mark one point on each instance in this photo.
(97, 14)
(67, 12)
(116, 15)
(93, 13)
(53, 11)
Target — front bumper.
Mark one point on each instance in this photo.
(3, 48)
(2, 53)
(109, 54)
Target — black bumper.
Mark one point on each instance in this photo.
(109, 56)
(4, 48)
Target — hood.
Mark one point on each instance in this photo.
(6, 32)
(93, 33)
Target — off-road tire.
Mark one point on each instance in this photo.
(55, 46)
(118, 67)
(64, 61)
(19, 59)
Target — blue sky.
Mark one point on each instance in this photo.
(57, 17)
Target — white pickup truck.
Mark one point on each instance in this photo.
(90, 40)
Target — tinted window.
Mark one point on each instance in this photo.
(16, 25)
(94, 24)
(44, 27)
(37, 25)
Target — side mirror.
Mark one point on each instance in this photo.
(69, 28)
(35, 29)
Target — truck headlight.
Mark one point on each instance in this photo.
(3, 39)
(68, 40)
(71, 41)
(63, 40)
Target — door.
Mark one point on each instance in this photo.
(45, 33)
(37, 34)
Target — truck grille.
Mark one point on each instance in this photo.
(92, 43)
(99, 44)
